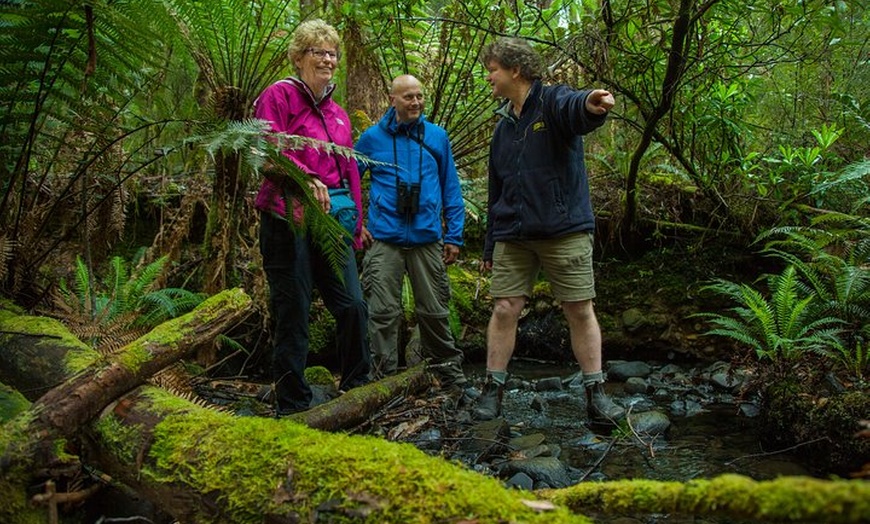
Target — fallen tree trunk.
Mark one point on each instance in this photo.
(64, 409)
(35, 443)
(38, 353)
(358, 404)
(786, 499)
(201, 465)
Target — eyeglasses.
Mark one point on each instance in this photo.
(323, 53)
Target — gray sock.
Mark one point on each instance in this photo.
(499, 377)
(590, 379)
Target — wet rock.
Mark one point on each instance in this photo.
(538, 403)
(541, 421)
(749, 409)
(693, 407)
(622, 370)
(589, 441)
(670, 369)
(429, 440)
(678, 408)
(520, 481)
(650, 423)
(725, 381)
(549, 384)
(527, 441)
(638, 404)
(661, 394)
(633, 319)
(488, 438)
(635, 385)
(548, 470)
(537, 451)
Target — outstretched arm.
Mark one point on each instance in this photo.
(599, 101)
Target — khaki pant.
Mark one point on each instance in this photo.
(384, 267)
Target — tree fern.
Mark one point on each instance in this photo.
(123, 302)
(70, 72)
(832, 256)
(257, 146)
(784, 326)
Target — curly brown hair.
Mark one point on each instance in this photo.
(514, 52)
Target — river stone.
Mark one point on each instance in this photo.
(549, 470)
(537, 451)
(527, 441)
(622, 371)
(538, 403)
(727, 381)
(635, 385)
(633, 319)
(521, 481)
(549, 384)
(650, 423)
(670, 369)
(489, 437)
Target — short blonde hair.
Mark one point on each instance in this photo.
(311, 33)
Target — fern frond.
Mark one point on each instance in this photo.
(163, 304)
(83, 287)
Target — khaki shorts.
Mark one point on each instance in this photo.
(566, 262)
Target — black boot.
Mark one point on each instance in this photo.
(488, 404)
(600, 407)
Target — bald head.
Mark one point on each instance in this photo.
(406, 95)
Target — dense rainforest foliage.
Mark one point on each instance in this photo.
(128, 156)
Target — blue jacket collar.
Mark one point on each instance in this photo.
(388, 122)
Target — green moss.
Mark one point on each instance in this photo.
(241, 459)
(7, 307)
(136, 354)
(15, 507)
(823, 423)
(78, 357)
(319, 375)
(790, 499)
(11, 403)
(469, 294)
(321, 330)
(169, 333)
(124, 439)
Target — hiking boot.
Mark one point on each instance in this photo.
(600, 407)
(462, 395)
(488, 404)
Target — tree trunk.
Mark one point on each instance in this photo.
(36, 352)
(357, 405)
(35, 443)
(64, 409)
(201, 465)
(786, 499)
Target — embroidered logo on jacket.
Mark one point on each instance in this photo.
(539, 126)
(339, 121)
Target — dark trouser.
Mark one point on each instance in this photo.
(294, 264)
(383, 270)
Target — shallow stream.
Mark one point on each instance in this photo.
(712, 439)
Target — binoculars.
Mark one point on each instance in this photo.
(407, 197)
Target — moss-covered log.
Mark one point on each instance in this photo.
(203, 465)
(358, 404)
(34, 443)
(38, 352)
(64, 409)
(786, 499)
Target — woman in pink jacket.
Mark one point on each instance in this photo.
(302, 105)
